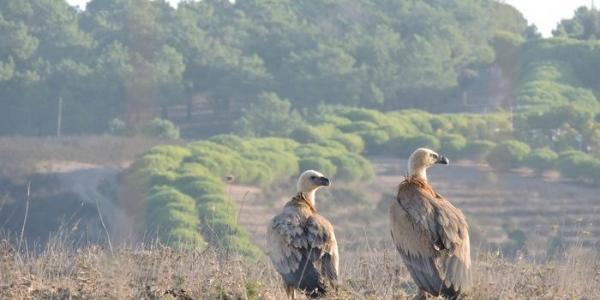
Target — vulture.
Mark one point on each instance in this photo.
(302, 243)
(430, 234)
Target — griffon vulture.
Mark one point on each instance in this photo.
(302, 243)
(430, 233)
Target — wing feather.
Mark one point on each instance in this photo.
(432, 238)
(304, 250)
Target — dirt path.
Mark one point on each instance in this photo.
(86, 181)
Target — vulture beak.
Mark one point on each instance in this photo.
(322, 181)
(443, 160)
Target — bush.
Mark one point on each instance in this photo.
(352, 142)
(375, 141)
(576, 165)
(478, 150)
(452, 144)
(541, 159)
(200, 188)
(117, 127)
(347, 168)
(179, 173)
(173, 216)
(507, 155)
(268, 115)
(161, 128)
(404, 146)
(319, 164)
(358, 126)
(307, 134)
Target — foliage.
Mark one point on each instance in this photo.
(403, 146)
(452, 144)
(161, 128)
(585, 25)
(187, 184)
(129, 59)
(541, 159)
(478, 150)
(318, 163)
(267, 116)
(508, 154)
(117, 127)
(172, 216)
(579, 166)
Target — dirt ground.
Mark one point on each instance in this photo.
(541, 207)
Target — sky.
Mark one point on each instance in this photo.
(545, 14)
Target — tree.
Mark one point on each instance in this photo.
(268, 116)
(585, 25)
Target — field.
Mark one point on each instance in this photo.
(543, 208)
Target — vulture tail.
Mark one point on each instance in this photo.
(307, 279)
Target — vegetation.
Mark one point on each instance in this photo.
(186, 201)
(165, 273)
(127, 59)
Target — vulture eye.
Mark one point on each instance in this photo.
(435, 156)
(313, 177)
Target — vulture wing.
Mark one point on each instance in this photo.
(432, 238)
(304, 251)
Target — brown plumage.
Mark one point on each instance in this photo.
(430, 233)
(302, 243)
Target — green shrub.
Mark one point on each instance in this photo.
(508, 154)
(404, 146)
(358, 126)
(230, 141)
(348, 168)
(172, 215)
(478, 150)
(452, 144)
(189, 188)
(375, 141)
(541, 159)
(118, 127)
(367, 115)
(161, 128)
(352, 142)
(162, 178)
(576, 165)
(319, 164)
(267, 115)
(307, 134)
(200, 188)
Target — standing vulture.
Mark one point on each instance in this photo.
(430, 233)
(302, 243)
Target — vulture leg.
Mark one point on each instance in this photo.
(290, 291)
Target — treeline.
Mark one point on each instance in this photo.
(126, 58)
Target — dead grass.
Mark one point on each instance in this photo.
(60, 272)
(21, 156)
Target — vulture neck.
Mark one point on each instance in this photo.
(310, 196)
(417, 171)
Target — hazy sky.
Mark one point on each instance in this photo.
(544, 13)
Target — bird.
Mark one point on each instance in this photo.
(302, 243)
(430, 234)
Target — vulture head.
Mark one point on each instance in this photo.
(310, 181)
(423, 158)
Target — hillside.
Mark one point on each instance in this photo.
(494, 202)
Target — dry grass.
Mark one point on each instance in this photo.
(59, 272)
(22, 156)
